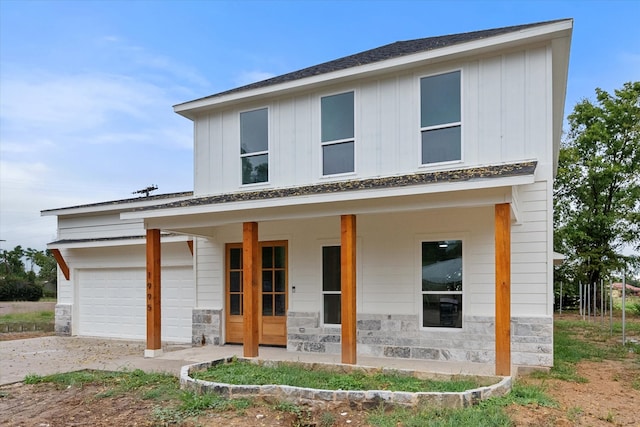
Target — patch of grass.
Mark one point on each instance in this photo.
(31, 317)
(302, 415)
(635, 380)
(156, 386)
(241, 372)
(69, 379)
(492, 416)
(575, 341)
(193, 405)
(574, 413)
(327, 419)
(489, 413)
(525, 394)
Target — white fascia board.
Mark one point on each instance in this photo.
(333, 197)
(96, 243)
(526, 36)
(109, 207)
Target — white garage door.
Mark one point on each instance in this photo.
(112, 303)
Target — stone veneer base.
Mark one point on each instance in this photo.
(205, 326)
(355, 398)
(63, 318)
(400, 336)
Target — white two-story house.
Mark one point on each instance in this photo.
(393, 203)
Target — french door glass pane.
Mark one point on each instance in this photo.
(280, 285)
(280, 257)
(235, 303)
(267, 256)
(332, 309)
(267, 305)
(235, 281)
(267, 281)
(280, 305)
(442, 310)
(235, 258)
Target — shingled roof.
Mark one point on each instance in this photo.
(389, 51)
(422, 178)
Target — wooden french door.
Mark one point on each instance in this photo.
(273, 257)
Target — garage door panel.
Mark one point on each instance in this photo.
(112, 303)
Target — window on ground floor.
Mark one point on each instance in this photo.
(442, 284)
(331, 285)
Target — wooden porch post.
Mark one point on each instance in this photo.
(503, 288)
(154, 333)
(250, 272)
(348, 287)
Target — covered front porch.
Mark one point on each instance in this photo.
(358, 222)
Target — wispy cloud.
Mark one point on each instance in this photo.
(75, 137)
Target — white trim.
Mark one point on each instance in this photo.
(132, 241)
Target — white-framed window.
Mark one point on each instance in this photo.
(441, 283)
(331, 295)
(440, 118)
(254, 146)
(337, 133)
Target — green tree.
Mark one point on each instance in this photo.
(48, 266)
(597, 188)
(12, 263)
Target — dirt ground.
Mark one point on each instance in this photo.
(609, 398)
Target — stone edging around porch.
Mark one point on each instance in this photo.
(359, 399)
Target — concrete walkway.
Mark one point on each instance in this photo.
(53, 354)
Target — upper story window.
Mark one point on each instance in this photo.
(337, 133)
(254, 146)
(440, 118)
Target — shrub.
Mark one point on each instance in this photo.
(14, 288)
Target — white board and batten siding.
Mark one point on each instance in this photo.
(506, 117)
(103, 225)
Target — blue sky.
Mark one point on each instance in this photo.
(87, 87)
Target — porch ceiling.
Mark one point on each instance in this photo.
(459, 188)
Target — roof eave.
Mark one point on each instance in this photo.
(117, 205)
(531, 35)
